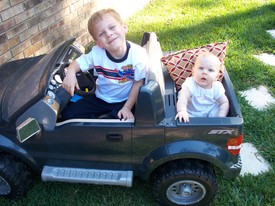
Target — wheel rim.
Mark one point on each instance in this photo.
(4, 186)
(186, 192)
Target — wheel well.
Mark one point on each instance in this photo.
(181, 163)
(16, 158)
(17, 176)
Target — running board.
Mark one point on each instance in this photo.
(90, 176)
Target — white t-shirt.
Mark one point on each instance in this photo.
(203, 102)
(115, 76)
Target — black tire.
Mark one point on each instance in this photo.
(191, 183)
(15, 178)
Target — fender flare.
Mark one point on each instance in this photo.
(189, 149)
(8, 146)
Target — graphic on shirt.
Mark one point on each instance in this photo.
(126, 73)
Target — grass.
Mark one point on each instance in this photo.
(182, 24)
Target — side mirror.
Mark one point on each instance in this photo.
(27, 129)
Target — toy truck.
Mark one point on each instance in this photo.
(181, 160)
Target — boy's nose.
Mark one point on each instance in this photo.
(109, 33)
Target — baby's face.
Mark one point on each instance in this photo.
(205, 72)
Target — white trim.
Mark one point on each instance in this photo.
(95, 121)
(234, 147)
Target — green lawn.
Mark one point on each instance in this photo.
(182, 24)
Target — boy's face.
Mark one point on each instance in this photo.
(205, 71)
(110, 33)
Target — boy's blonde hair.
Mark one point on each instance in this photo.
(98, 16)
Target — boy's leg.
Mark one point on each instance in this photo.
(110, 109)
(114, 108)
(91, 107)
(83, 108)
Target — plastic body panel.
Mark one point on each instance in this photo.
(141, 145)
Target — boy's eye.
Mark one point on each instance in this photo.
(101, 34)
(112, 27)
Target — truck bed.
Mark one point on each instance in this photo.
(158, 74)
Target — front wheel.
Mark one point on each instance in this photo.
(15, 177)
(191, 183)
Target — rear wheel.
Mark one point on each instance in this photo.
(190, 183)
(15, 177)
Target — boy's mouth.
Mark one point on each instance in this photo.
(111, 41)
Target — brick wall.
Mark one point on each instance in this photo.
(33, 27)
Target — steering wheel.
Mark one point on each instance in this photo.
(85, 81)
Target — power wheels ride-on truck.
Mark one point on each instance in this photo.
(179, 159)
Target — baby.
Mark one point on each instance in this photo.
(202, 95)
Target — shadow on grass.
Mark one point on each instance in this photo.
(245, 32)
(240, 191)
(240, 28)
(56, 194)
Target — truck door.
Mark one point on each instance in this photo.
(97, 145)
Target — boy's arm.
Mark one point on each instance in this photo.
(70, 81)
(125, 112)
(224, 106)
(182, 104)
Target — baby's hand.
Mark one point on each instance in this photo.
(182, 115)
(125, 114)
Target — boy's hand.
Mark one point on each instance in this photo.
(125, 114)
(183, 115)
(70, 82)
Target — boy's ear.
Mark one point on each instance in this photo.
(125, 28)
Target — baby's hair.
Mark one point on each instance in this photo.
(208, 54)
(98, 15)
(211, 55)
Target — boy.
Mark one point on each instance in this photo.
(120, 65)
(202, 95)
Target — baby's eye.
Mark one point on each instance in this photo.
(200, 68)
(112, 27)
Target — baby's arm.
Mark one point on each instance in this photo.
(70, 81)
(224, 106)
(182, 105)
(125, 112)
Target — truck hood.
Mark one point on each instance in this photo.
(24, 82)
(15, 82)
